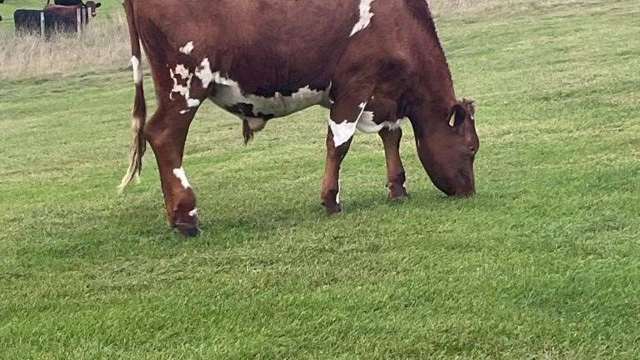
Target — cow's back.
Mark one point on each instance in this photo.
(269, 48)
(263, 43)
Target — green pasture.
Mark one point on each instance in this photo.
(544, 263)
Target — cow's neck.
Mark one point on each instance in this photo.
(435, 92)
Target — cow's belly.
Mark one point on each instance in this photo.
(229, 96)
(368, 125)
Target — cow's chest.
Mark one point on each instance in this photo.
(230, 97)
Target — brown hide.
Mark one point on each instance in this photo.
(377, 57)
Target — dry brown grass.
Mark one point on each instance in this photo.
(105, 43)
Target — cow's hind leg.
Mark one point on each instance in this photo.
(167, 133)
(396, 178)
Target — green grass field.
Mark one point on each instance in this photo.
(544, 263)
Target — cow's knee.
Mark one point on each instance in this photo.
(153, 133)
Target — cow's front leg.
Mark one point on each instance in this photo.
(167, 133)
(331, 184)
(396, 178)
(343, 120)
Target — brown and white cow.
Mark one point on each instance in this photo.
(373, 63)
(69, 8)
(55, 18)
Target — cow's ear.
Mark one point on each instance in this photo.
(470, 105)
(98, 5)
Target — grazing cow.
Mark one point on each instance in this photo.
(54, 18)
(373, 63)
(71, 10)
(28, 21)
(33, 21)
(66, 7)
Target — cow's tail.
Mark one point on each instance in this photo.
(138, 143)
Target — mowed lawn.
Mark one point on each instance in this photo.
(544, 263)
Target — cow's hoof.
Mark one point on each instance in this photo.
(397, 192)
(333, 209)
(398, 197)
(188, 230)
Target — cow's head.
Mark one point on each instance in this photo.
(92, 6)
(447, 149)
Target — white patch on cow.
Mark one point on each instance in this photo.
(182, 112)
(187, 48)
(366, 123)
(365, 16)
(137, 70)
(229, 93)
(338, 193)
(221, 80)
(396, 125)
(184, 90)
(344, 131)
(369, 126)
(182, 176)
(194, 212)
(193, 103)
(183, 71)
(203, 72)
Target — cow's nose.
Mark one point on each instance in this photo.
(465, 194)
